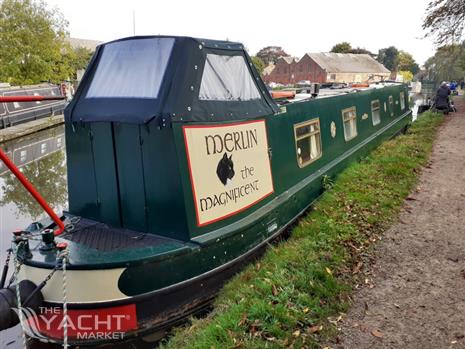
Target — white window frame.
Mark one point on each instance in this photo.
(309, 135)
(391, 105)
(23, 155)
(402, 100)
(353, 111)
(373, 109)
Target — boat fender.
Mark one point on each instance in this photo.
(8, 303)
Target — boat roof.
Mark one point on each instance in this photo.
(144, 78)
(302, 95)
(208, 43)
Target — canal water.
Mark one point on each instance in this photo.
(41, 157)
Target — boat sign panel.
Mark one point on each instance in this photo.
(229, 168)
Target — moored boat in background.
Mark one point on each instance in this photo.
(22, 111)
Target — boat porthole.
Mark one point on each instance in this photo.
(333, 129)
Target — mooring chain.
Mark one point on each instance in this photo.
(61, 263)
(8, 256)
(6, 267)
(18, 293)
(18, 263)
(69, 227)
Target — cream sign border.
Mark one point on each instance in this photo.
(192, 179)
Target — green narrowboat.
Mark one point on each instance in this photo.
(181, 169)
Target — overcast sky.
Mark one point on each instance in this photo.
(297, 26)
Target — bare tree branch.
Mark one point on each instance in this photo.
(445, 21)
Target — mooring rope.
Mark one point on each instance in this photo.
(64, 256)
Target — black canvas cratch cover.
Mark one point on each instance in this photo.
(139, 79)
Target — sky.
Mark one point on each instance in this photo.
(298, 26)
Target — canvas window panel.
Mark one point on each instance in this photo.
(227, 78)
(131, 69)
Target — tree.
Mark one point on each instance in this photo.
(407, 63)
(82, 58)
(32, 47)
(406, 75)
(445, 20)
(270, 54)
(447, 64)
(342, 47)
(48, 175)
(389, 57)
(361, 50)
(258, 63)
(345, 47)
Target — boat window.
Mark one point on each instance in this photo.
(375, 112)
(227, 78)
(23, 155)
(307, 141)
(402, 101)
(349, 117)
(131, 69)
(2, 109)
(36, 94)
(391, 105)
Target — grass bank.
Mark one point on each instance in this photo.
(295, 293)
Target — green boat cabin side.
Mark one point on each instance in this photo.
(286, 171)
(138, 176)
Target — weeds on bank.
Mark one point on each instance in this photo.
(294, 295)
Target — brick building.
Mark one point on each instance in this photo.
(327, 67)
(283, 71)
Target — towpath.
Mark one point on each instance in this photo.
(27, 128)
(415, 292)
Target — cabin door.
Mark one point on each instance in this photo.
(130, 170)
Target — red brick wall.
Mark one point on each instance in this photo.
(305, 69)
(281, 73)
